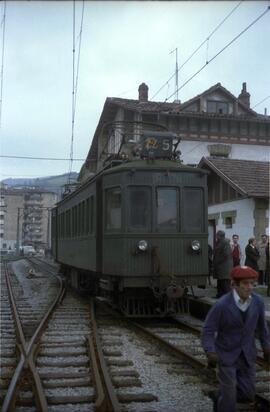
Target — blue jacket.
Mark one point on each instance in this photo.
(226, 333)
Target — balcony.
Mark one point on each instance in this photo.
(33, 196)
(33, 204)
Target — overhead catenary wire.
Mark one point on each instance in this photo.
(257, 104)
(217, 54)
(40, 158)
(199, 47)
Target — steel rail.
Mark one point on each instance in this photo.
(36, 261)
(260, 399)
(27, 353)
(100, 399)
(259, 360)
(177, 351)
(110, 403)
(9, 400)
(194, 329)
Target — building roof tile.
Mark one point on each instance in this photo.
(250, 177)
(144, 106)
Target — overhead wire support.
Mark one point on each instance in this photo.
(75, 78)
(220, 51)
(78, 59)
(3, 23)
(200, 45)
(73, 95)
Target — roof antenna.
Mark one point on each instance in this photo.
(176, 73)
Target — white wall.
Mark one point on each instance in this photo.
(268, 217)
(244, 221)
(250, 152)
(193, 151)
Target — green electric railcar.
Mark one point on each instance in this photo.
(137, 230)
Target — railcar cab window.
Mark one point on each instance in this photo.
(166, 207)
(113, 209)
(193, 210)
(139, 208)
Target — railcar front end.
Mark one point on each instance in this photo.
(155, 240)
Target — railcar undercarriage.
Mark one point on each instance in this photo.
(156, 300)
(147, 301)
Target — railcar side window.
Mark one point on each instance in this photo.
(193, 212)
(73, 221)
(68, 223)
(53, 225)
(139, 208)
(113, 209)
(89, 215)
(78, 219)
(166, 204)
(83, 219)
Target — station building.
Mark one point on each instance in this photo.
(238, 198)
(214, 125)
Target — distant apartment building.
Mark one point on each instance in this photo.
(25, 218)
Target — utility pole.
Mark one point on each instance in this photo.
(18, 231)
(48, 228)
(176, 71)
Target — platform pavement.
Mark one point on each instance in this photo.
(208, 294)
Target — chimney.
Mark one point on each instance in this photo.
(143, 92)
(244, 96)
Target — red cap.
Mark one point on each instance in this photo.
(243, 272)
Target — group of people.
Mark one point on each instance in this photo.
(236, 319)
(257, 256)
(227, 255)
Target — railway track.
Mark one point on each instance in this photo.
(144, 376)
(182, 337)
(262, 367)
(27, 316)
(61, 367)
(56, 368)
(77, 359)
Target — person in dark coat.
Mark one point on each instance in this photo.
(222, 263)
(261, 246)
(267, 271)
(210, 261)
(228, 338)
(252, 254)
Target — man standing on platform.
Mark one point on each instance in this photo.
(228, 338)
(236, 250)
(222, 263)
(262, 260)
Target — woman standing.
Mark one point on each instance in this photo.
(252, 254)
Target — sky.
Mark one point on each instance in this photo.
(123, 43)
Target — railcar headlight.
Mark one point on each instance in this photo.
(195, 245)
(142, 245)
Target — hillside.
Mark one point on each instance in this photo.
(50, 183)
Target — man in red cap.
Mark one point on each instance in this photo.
(228, 338)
